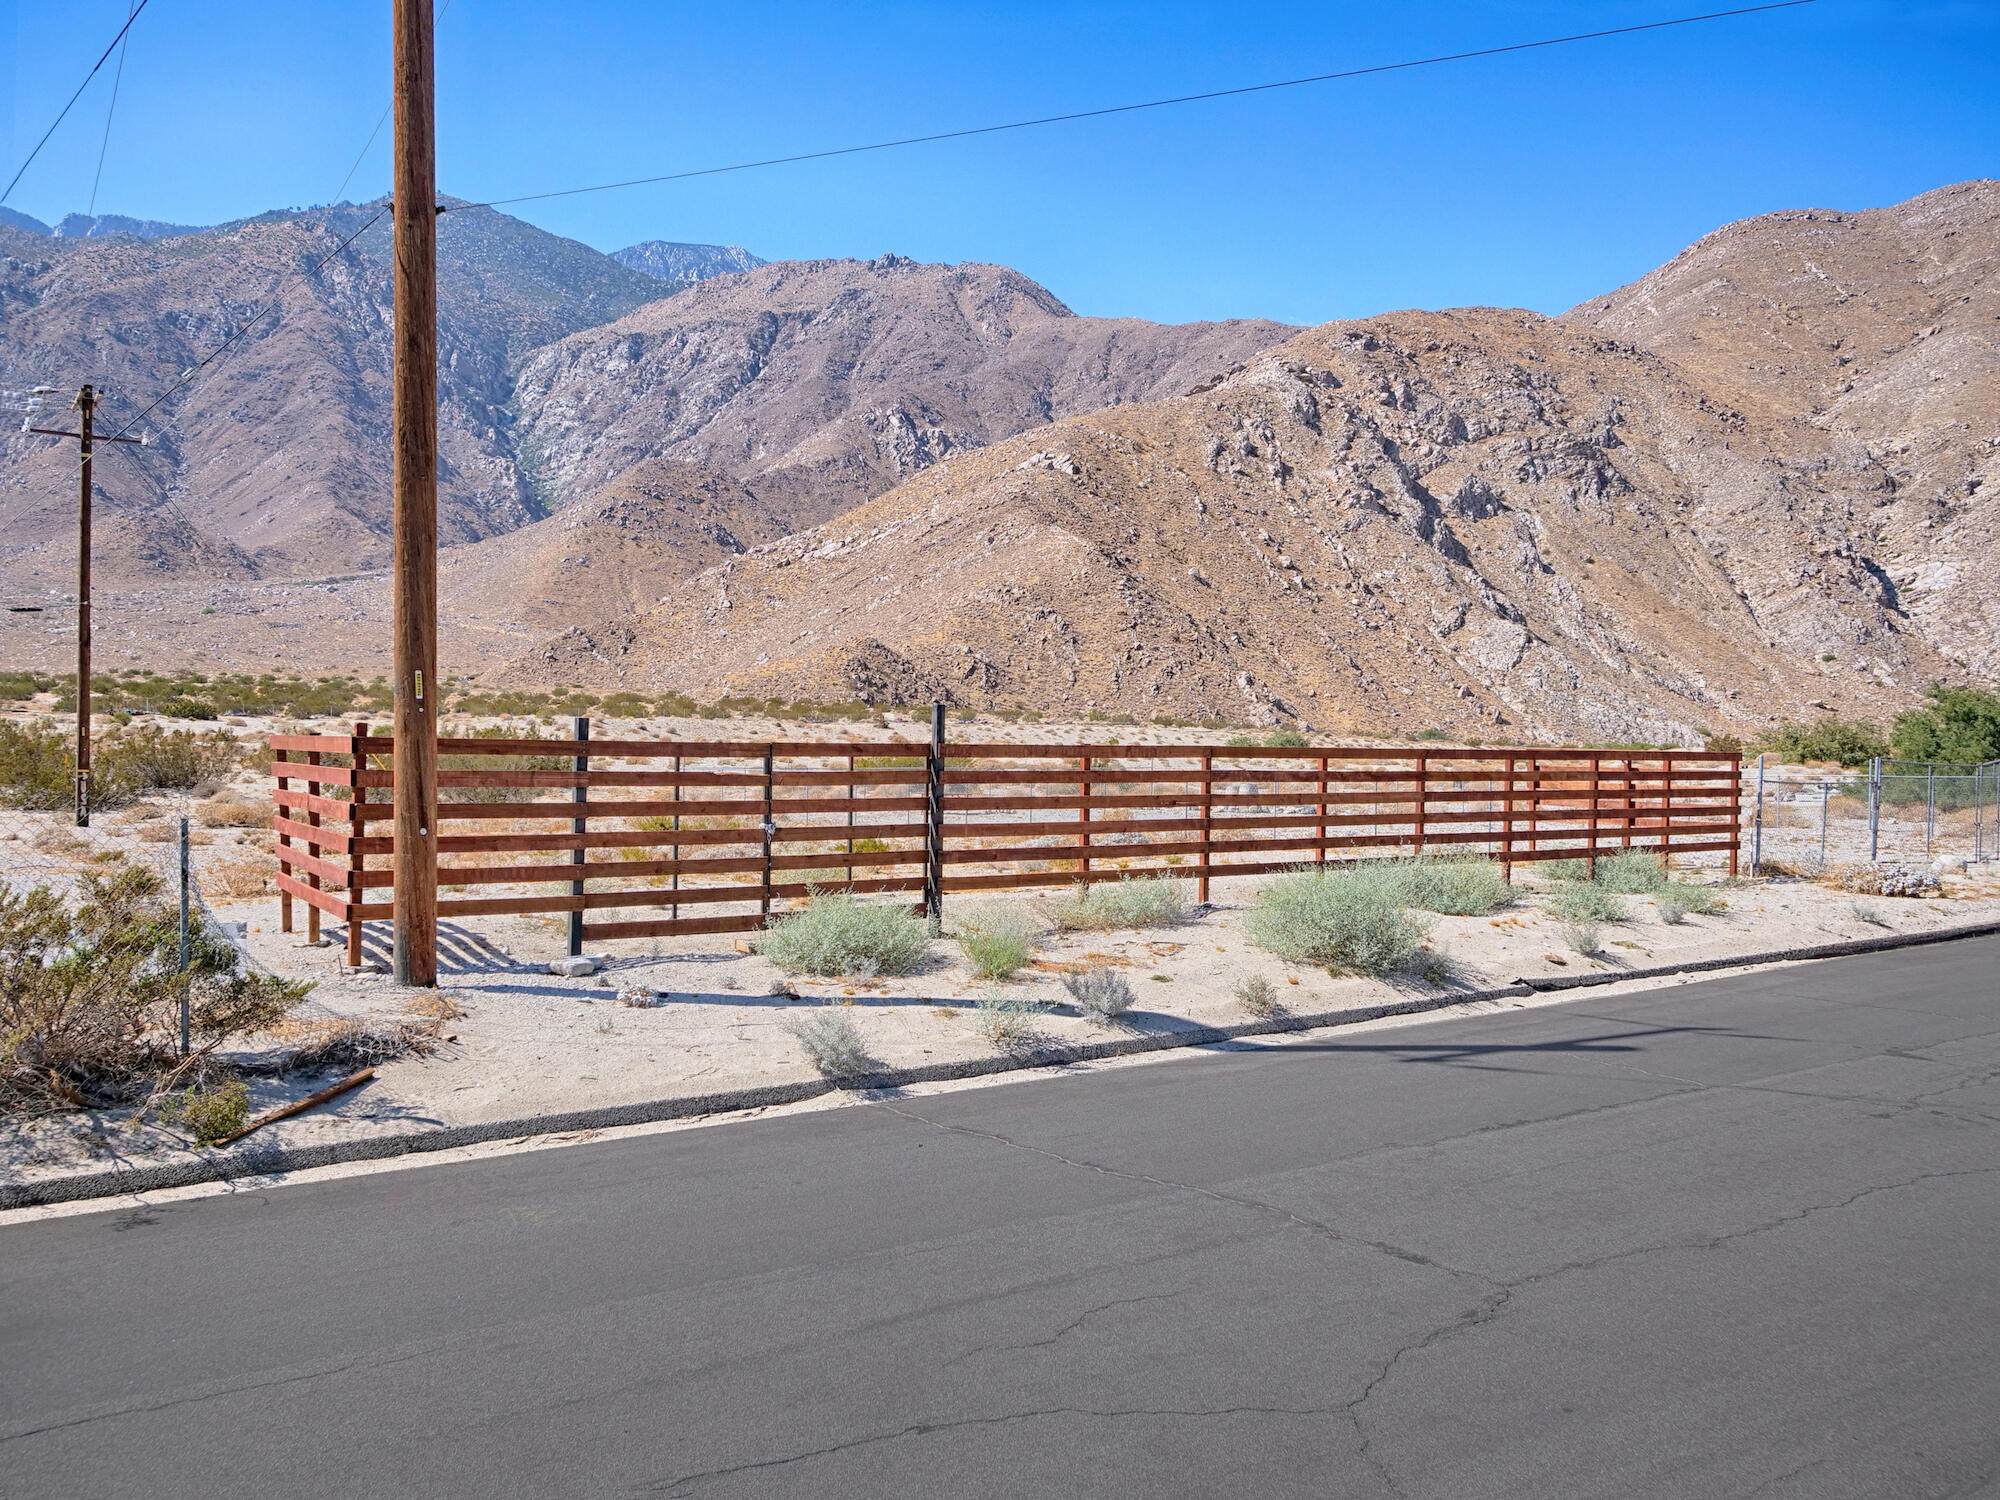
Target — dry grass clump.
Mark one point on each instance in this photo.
(830, 1040)
(1346, 920)
(237, 875)
(348, 1042)
(998, 940)
(1133, 901)
(1258, 996)
(1574, 901)
(1006, 1022)
(1586, 938)
(90, 996)
(1100, 993)
(235, 809)
(836, 934)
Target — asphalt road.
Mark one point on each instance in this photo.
(1724, 1239)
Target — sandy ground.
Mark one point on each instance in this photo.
(524, 1042)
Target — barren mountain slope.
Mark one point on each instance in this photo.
(1423, 520)
(821, 383)
(275, 459)
(1869, 342)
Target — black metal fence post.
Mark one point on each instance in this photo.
(934, 821)
(579, 793)
(185, 953)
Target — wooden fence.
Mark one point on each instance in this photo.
(658, 839)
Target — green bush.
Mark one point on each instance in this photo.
(1631, 872)
(1454, 885)
(1005, 1021)
(1852, 742)
(38, 764)
(187, 708)
(997, 939)
(1347, 920)
(90, 996)
(210, 1114)
(1960, 724)
(1147, 901)
(1285, 739)
(837, 934)
(1575, 902)
(1696, 900)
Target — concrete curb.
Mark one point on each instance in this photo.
(223, 1166)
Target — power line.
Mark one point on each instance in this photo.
(110, 110)
(1122, 109)
(73, 98)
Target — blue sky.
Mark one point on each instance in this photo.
(1536, 180)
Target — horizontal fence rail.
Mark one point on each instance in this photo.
(649, 838)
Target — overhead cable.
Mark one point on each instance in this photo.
(1122, 109)
(73, 98)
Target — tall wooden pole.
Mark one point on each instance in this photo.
(86, 409)
(415, 439)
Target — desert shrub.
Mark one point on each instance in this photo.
(1345, 920)
(209, 1114)
(1631, 872)
(1583, 937)
(836, 934)
(1147, 901)
(1285, 739)
(1455, 885)
(1565, 869)
(1852, 742)
(35, 767)
(830, 1041)
(235, 810)
(1861, 911)
(1100, 993)
(1258, 996)
(997, 939)
(1574, 901)
(1006, 1022)
(129, 763)
(1959, 724)
(1693, 900)
(1669, 906)
(187, 708)
(90, 996)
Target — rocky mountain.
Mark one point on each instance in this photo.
(274, 460)
(26, 223)
(86, 226)
(818, 384)
(1658, 516)
(668, 260)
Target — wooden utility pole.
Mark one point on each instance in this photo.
(415, 440)
(86, 435)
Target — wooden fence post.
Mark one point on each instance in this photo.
(1596, 776)
(313, 788)
(1507, 846)
(1319, 834)
(579, 793)
(1207, 820)
(284, 843)
(1423, 797)
(1083, 818)
(934, 821)
(769, 827)
(674, 881)
(357, 891)
(1735, 812)
(850, 820)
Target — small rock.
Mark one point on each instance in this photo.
(576, 967)
(604, 981)
(641, 997)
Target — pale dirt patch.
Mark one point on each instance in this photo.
(513, 1041)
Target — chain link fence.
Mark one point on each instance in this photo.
(1891, 812)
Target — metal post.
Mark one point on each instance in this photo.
(1757, 825)
(1874, 807)
(184, 936)
(579, 793)
(1930, 807)
(1825, 799)
(934, 822)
